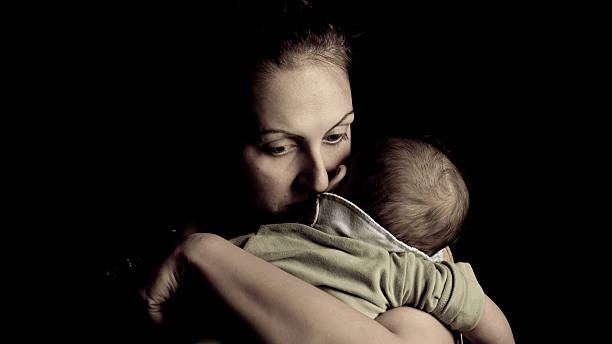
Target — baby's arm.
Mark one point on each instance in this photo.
(493, 327)
(448, 291)
(451, 293)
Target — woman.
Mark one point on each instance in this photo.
(298, 132)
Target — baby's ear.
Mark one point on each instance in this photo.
(333, 183)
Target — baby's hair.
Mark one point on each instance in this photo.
(413, 190)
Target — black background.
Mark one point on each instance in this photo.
(138, 146)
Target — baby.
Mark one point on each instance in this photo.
(370, 244)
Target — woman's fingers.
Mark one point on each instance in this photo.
(164, 285)
(169, 276)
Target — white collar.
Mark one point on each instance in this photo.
(338, 216)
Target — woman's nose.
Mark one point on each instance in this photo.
(314, 176)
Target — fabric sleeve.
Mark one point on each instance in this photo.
(448, 291)
(241, 240)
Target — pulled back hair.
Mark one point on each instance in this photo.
(290, 33)
(267, 36)
(413, 190)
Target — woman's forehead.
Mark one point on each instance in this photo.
(309, 97)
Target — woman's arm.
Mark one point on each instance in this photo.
(281, 308)
(415, 326)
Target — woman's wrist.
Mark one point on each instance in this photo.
(198, 248)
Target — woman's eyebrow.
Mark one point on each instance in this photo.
(342, 119)
(279, 131)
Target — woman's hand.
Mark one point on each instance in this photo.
(169, 276)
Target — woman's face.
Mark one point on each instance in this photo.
(304, 118)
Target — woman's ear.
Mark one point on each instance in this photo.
(340, 173)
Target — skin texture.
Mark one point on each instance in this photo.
(493, 326)
(414, 326)
(303, 117)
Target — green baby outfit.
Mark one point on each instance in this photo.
(348, 255)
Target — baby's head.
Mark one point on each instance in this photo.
(410, 188)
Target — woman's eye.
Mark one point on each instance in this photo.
(335, 138)
(279, 150)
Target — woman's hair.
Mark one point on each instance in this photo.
(413, 190)
(288, 34)
(267, 36)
